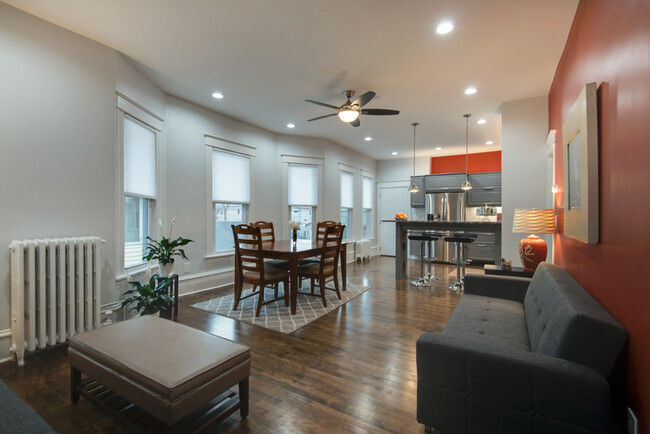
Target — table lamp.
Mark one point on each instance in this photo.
(532, 249)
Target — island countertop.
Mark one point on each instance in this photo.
(402, 228)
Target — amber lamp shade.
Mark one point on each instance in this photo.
(533, 249)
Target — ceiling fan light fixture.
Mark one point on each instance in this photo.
(348, 114)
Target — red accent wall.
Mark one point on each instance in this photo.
(609, 43)
(477, 163)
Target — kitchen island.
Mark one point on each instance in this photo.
(404, 226)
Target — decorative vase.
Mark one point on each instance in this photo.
(294, 235)
(164, 270)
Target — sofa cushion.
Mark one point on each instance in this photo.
(565, 321)
(490, 320)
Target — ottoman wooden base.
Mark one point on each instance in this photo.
(178, 375)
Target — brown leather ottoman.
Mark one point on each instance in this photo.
(166, 369)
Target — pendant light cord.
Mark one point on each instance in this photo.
(415, 124)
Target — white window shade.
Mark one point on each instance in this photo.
(231, 177)
(139, 159)
(303, 185)
(367, 193)
(347, 190)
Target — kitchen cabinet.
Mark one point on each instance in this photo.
(444, 183)
(482, 249)
(486, 189)
(417, 199)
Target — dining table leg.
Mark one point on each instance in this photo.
(293, 278)
(343, 259)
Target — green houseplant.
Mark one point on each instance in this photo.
(165, 250)
(149, 297)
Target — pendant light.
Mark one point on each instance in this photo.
(414, 187)
(466, 185)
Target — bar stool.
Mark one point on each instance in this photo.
(425, 239)
(433, 237)
(460, 238)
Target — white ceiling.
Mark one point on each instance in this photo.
(267, 57)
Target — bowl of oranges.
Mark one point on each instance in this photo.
(401, 216)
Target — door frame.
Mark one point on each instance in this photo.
(385, 185)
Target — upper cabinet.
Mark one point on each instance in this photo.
(417, 199)
(444, 183)
(486, 189)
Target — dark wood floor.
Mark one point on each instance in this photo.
(352, 370)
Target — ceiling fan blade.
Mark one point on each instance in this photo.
(321, 103)
(355, 123)
(379, 112)
(321, 117)
(364, 99)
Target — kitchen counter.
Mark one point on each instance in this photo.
(404, 226)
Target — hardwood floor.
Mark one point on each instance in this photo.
(351, 370)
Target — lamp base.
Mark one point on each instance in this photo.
(532, 251)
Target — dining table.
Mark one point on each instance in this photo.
(294, 251)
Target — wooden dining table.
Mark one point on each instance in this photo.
(295, 251)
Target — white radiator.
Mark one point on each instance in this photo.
(55, 291)
(362, 250)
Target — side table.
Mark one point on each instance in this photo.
(516, 271)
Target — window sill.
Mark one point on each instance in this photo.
(220, 254)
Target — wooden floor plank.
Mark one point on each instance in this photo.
(352, 370)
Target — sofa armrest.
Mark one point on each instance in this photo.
(510, 288)
(468, 386)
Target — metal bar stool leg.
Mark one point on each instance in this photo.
(421, 279)
(430, 278)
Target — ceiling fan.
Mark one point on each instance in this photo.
(349, 112)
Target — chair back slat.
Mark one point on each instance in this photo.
(248, 249)
(321, 227)
(331, 246)
(266, 230)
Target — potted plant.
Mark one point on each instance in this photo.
(165, 250)
(150, 297)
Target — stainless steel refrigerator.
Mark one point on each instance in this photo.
(445, 207)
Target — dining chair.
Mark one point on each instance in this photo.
(268, 235)
(321, 227)
(251, 268)
(325, 269)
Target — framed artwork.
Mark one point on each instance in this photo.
(580, 152)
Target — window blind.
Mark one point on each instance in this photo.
(303, 185)
(347, 190)
(367, 193)
(139, 159)
(231, 177)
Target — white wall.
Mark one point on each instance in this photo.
(58, 164)
(524, 166)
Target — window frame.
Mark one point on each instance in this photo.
(317, 211)
(216, 143)
(127, 107)
(365, 175)
(345, 170)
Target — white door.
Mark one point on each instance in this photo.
(392, 200)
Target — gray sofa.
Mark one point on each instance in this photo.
(520, 355)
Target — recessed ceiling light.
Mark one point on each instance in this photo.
(217, 95)
(445, 27)
(367, 139)
(470, 90)
(394, 153)
(481, 121)
(290, 125)
(438, 148)
(489, 142)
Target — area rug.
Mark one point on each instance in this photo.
(275, 316)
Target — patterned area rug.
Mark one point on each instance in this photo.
(275, 316)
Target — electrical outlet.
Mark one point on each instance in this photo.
(187, 267)
(632, 422)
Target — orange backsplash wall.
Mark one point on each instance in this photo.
(609, 43)
(477, 163)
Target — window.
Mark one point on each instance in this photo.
(367, 207)
(303, 197)
(231, 194)
(347, 202)
(140, 188)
